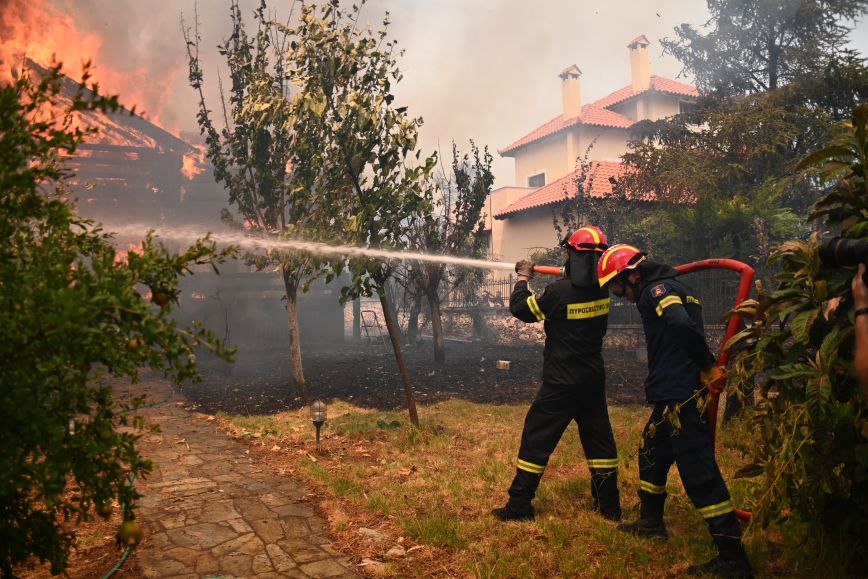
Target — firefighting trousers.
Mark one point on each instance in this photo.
(682, 437)
(552, 411)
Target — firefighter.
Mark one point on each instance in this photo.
(679, 364)
(575, 312)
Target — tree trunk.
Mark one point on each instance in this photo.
(294, 337)
(393, 311)
(357, 317)
(437, 327)
(413, 336)
(481, 330)
(399, 355)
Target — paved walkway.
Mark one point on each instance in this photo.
(209, 511)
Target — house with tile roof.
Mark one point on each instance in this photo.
(547, 158)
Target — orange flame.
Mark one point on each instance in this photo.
(38, 30)
(122, 256)
(194, 162)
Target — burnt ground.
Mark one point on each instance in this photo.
(367, 376)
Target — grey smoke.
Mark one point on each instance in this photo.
(481, 70)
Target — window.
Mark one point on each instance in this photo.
(686, 107)
(537, 180)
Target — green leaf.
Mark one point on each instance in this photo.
(801, 324)
(791, 371)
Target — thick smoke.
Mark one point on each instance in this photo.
(481, 70)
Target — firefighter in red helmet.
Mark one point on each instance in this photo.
(575, 311)
(679, 364)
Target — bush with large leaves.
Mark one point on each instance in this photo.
(71, 318)
(812, 419)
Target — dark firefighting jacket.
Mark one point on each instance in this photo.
(575, 321)
(674, 334)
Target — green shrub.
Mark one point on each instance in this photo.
(71, 319)
(812, 416)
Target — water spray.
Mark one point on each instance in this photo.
(253, 242)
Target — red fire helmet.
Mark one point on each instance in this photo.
(618, 258)
(588, 238)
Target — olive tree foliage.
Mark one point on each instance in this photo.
(364, 147)
(254, 154)
(456, 227)
(812, 418)
(71, 319)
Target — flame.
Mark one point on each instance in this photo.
(122, 255)
(38, 30)
(194, 162)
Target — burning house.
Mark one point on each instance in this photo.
(132, 175)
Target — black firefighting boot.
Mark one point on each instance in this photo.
(515, 510)
(521, 493)
(731, 561)
(650, 523)
(604, 490)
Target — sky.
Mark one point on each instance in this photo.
(485, 70)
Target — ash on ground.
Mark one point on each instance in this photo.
(366, 375)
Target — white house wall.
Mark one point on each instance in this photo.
(548, 155)
(608, 144)
(660, 106)
(526, 231)
(498, 200)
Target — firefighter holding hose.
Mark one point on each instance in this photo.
(575, 311)
(679, 364)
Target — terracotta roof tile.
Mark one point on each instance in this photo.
(658, 84)
(563, 188)
(590, 115)
(597, 113)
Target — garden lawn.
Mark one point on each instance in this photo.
(428, 493)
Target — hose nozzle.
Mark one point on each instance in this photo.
(549, 270)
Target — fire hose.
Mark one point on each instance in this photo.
(746, 274)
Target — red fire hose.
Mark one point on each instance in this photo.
(746, 274)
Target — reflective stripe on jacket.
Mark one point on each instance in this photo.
(674, 334)
(575, 321)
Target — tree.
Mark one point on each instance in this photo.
(365, 146)
(811, 419)
(756, 46)
(71, 319)
(582, 205)
(721, 175)
(457, 230)
(775, 76)
(257, 158)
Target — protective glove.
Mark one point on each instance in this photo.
(525, 268)
(713, 378)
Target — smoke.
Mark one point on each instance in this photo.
(489, 70)
(473, 70)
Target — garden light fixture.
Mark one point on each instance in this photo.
(318, 417)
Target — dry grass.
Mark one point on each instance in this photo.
(96, 551)
(430, 492)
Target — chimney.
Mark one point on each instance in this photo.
(572, 91)
(640, 66)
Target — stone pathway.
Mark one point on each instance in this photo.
(209, 511)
